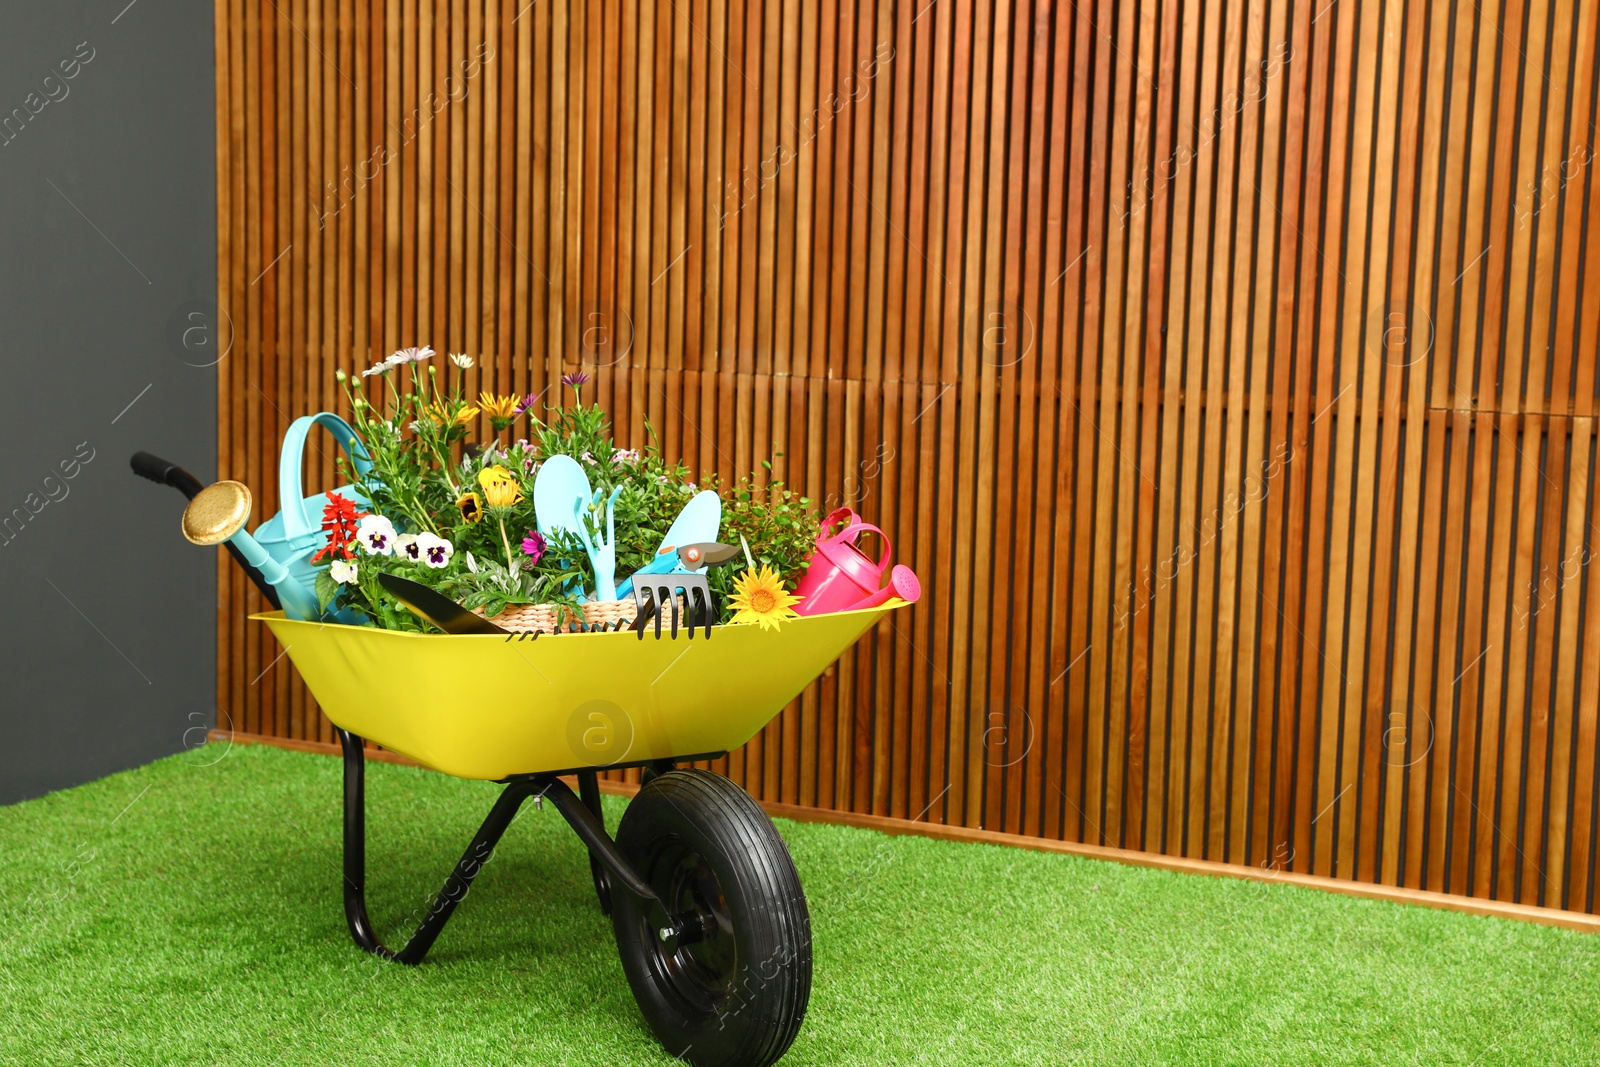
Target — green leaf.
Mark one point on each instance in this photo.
(326, 589)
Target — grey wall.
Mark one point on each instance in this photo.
(107, 248)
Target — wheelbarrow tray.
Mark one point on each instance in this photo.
(491, 708)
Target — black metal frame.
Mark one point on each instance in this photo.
(581, 810)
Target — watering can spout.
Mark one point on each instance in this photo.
(217, 514)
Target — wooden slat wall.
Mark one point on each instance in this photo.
(1226, 371)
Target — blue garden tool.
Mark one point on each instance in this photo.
(561, 494)
(602, 552)
(696, 524)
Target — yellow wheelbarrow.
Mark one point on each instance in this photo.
(710, 919)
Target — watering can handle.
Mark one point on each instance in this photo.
(291, 494)
(837, 516)
(850, 534)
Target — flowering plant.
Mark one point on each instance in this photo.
(459, 515)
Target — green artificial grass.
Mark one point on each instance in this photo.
(189, 912)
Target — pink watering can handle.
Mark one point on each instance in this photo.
(836, 517)
(852, 533)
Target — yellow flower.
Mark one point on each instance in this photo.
(471, 505)
(500, 409)
(441, 414)
(499, 487)
(759, 597)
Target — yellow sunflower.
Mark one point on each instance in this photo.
(759, 597)
(502, 410)
(471, 505)
(500, 487)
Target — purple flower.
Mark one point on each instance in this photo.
(436, 551)
(376, 535)
(576, 380)
(525, 403)
(534, 546)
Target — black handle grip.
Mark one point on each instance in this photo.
(153, 467)
(160, 471)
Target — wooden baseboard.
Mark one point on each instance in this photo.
(1571, 920)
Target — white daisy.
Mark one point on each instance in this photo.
(410, 355)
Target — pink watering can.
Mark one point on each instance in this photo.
(842, 577)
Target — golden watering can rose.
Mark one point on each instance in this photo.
(217, 512)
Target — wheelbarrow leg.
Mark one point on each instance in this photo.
(455, 886)
(589, 793)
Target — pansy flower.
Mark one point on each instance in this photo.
(436, 551)
(405, 547)
(471, 505)
(342, 571)
(376, 535)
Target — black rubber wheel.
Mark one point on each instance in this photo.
(731, 989)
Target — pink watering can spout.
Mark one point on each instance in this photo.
(903, 583)
(842, 576)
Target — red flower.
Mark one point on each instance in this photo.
(339, 520)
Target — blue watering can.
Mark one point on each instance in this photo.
(217, 515)
(282, 546)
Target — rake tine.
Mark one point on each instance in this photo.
(707, 607)
(641, 597)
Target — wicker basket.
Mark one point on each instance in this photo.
(527, 618)
(542, 618)
(608, 614)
